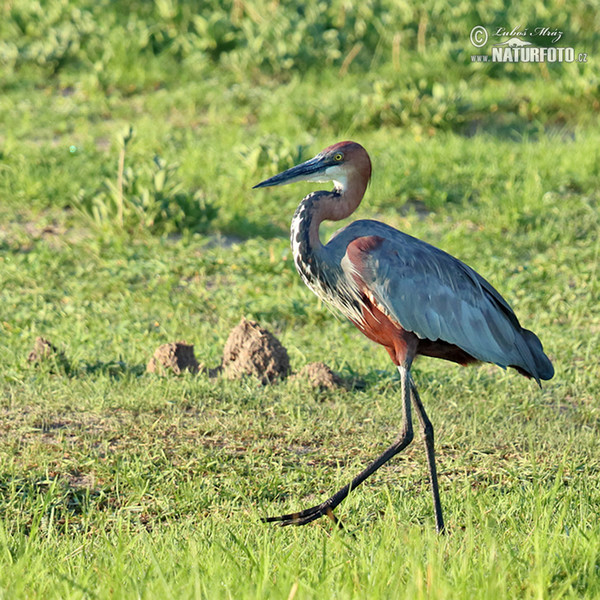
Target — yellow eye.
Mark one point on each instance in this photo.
(337, 157)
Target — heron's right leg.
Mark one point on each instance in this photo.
(427, 430)
(403, 440)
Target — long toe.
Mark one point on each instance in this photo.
(305, 516)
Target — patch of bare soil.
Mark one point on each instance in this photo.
(253, 350)
(319, 375)
(175, 357)
(23, 232)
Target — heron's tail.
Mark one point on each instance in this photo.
(540, 366)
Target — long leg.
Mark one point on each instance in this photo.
(427, 430)
(403, 440)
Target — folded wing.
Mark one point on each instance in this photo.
(437, 297)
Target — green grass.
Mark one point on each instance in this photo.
(119, 484)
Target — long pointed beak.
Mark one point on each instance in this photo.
(311, 170)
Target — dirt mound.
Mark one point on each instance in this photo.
(319, 375)
(44, 351)
(252, 350)
(175, 357)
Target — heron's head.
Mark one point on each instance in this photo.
(337, 163)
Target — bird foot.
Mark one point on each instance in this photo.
(305, 516)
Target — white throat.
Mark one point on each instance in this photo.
(339, 177)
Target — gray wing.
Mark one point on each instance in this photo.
(438, 297)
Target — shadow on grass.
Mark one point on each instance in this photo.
(115, 369)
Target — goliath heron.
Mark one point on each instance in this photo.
(402, 293)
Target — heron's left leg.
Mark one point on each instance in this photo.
(404, 439)
(427, 430)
